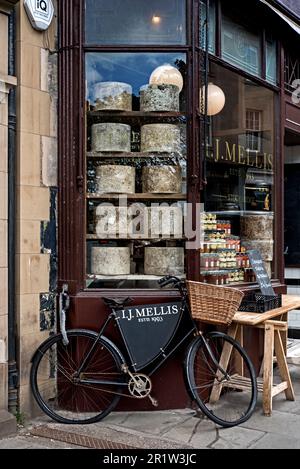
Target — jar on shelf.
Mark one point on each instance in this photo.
(203, 277)
(205, 261)
(241, 275)
(249, 275)
(227, 227)
(215, 263)
(213, 277)
(240, 260)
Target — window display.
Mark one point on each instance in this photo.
(239, 206)
(136, 168)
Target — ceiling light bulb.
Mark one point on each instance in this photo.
(156, 19)
(215, 99)
(166, 75)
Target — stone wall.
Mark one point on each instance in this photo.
(7, 421)
(36, 192)
(3, 212)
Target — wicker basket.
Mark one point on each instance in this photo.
(213, 304)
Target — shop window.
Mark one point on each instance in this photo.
(136, 168)
(211, 26)
(291, 70)
(241, 46)
(239, 207)
(136, 22)
(271, 60)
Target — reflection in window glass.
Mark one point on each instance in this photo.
(240, 179)
(135, 22)
(211, 26)
(271, 61)
(132, 68)
(136, 168)
(241, 47)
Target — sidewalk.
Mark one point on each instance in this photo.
(180, 429)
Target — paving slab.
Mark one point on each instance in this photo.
(281, 423)
(154, 423)
(282, 405)
(274, 441)
(236, 438)
(198, 433)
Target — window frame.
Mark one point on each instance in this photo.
(217, 56)
(71, 128)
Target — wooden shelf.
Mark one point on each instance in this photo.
(137, 196)
(91, 237)
(132, 154)
(134, 114)
(128, 277)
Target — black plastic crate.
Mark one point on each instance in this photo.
(258, 303)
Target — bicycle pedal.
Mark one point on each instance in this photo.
(154, 401)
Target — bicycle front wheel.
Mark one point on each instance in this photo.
(227, 399)
(59, 391)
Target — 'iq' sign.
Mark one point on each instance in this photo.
(40, 13)
(42, 5)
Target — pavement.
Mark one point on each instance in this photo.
(174, 429)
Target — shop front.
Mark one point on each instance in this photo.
(170, 155)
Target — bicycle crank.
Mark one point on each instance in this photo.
(140, 386)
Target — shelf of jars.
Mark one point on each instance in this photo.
(224, 258)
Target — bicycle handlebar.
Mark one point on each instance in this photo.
(168, 280)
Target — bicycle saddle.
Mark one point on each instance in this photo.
(117, 302)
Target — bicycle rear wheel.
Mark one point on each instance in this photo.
(228, 400)
(55, 388)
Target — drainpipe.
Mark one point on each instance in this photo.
(12, 330)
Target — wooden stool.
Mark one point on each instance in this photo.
(272, 343)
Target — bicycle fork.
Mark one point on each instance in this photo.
(213, 359)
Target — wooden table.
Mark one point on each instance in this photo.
(275, 326)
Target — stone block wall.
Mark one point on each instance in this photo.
(3, 211)
(36, 61)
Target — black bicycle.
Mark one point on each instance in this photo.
(80, 379)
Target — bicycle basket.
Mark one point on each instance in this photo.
(213, 304)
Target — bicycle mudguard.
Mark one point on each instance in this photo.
(104, 339)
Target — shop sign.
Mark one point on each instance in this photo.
(233, 153)
(40, 13)
(147, 330)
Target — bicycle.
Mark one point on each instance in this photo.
(80, 381)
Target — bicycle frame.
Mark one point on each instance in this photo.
(160, 359)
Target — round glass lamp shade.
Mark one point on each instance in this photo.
(215, 99)
(166, 75)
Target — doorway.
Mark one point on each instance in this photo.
(292, 223)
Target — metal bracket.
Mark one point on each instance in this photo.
(64, 305)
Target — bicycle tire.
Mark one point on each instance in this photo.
(195, 356)
(58, 378)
